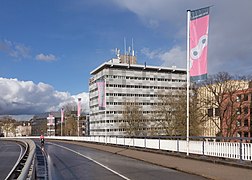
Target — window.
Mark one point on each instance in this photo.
(246, 122)
(238, 111)
(245, 110)
(245, 97)
(238, 98)
(238, 122)
(245, 134)
(217, 112)
(210, 112)
(239, 134)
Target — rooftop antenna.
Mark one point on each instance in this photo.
(133, 52)
(118, 53)
(124, 46)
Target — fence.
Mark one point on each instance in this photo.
(206, 146)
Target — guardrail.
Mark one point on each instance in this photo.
(206, 147)
(24, 167)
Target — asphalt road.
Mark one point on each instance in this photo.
(70, 161)
(9, 154)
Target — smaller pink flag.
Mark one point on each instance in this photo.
(62, 115)
(79, 107)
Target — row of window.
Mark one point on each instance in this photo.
(141, 78)
(245, 122)
(138, 95)
(144, 78)
(244, 97)
(132, 95)
(122, 121)
(139, 87)
(122, 112)
(244, 133)
(144, 87)
(214, 112)
(131, 103)
(245, 110)
(123, 129)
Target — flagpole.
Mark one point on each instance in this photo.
(105, 88)
(61, 124)
(78, 116)
(62, 116)
(188, 82)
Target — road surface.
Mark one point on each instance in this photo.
(10, 152)
(70, 161)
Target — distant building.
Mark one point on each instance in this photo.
(117, 81)
(238, 117)
(7, 127)
(23, 128)
(212, 123)
(42, 124)
(51, 124)
(39, 124)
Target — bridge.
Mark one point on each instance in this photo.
(131, 158)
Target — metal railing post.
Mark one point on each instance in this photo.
(203, 146)
(159, 143)
(177, 145)
(241, 149)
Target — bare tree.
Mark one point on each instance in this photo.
(70, 120)
(133, 119)
(70, 127)
(164, 116)
(8, 125)
(219, 94)
(171, 113)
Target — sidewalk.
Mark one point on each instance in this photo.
(210, 170)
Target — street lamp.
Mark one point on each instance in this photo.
(78, 115)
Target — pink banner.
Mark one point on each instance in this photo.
(79, 107)
(198, 44)
(101, 94)
(62, 115)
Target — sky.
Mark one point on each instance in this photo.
(48, 48)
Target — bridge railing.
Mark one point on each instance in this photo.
(216, 147)
(24, 167)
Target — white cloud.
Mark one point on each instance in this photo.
(84, 101)
(230, 39)
(14, 49)
(173, 57)
(25, 97)
(43, 57)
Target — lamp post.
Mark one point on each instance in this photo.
(78, 116)
(62, 119)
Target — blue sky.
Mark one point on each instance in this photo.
(49, 47)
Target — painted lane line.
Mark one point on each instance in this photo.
(21, 152)
(89, 158)
(18, 160)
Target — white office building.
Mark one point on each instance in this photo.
(120, 80)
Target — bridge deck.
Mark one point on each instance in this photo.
(212, 170)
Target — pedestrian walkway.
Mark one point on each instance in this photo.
(200, 167)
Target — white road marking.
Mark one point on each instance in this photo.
(106, 167)
(21, 152)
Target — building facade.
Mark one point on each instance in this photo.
(212, 109)
(114, 82)
(237, 121)
(23, 128)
